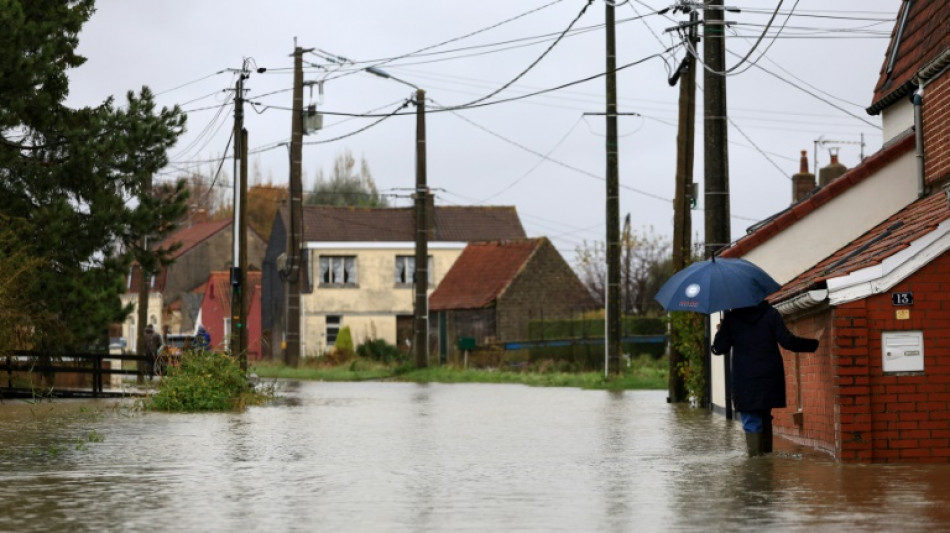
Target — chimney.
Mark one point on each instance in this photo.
(803, 182)
(831, 172)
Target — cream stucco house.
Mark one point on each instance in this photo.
(359, 264)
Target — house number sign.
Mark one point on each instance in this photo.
(902, 298)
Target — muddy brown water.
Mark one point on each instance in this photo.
(438, 457)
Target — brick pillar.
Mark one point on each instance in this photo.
(853, 382)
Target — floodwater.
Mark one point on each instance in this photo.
(438, 457)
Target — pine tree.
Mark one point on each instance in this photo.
(69, 176)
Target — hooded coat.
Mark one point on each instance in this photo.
(758, 374)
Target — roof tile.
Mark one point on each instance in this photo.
(482, 273)
(879, 243)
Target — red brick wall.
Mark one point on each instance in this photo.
(809, 387)
(895, 418)
(851, 360)
(547, 288)
(936, 117)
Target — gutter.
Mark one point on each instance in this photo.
(803, 302)
(918, 101)
(926, 73)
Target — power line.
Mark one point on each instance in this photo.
(462, 37)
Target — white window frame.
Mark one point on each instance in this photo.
(405, 266)
(337, 271)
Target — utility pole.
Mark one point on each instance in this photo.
(144, 285)
(239, 228)
(421, 307)
(612, 304)
(292, 273)
(420, 277)
(682, 219)
(718, 233)
(716, 166)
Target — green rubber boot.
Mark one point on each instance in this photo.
(753, 443)
(766, 434)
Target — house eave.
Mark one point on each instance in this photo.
(881, 277)
(925, 73)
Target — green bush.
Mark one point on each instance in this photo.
(380, 350)
(689, 339)
(344, 343)
(204, 381)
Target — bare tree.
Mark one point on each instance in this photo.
(346, 185)
(646, 263)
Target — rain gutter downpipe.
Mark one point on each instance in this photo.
(918, 100)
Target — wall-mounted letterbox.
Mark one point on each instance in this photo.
(903, 351)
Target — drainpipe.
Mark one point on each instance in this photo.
(919, 133)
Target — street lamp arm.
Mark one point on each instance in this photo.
(383, 74)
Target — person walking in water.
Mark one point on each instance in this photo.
(153, 342)
(758, 373)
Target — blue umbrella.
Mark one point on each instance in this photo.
(716, 285)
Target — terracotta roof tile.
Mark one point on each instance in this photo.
(879, 243)
(924, 36)
(193, 235)
(482, 273)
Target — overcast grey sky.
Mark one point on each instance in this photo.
(541, 154)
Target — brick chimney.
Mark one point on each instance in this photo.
(831, 172)
(804, 182)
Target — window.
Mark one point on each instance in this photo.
(406, 266)
(337, 270)
(333, 328)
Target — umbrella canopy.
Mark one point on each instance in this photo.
(716, 285)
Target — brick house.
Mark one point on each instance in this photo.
(216, 312)
(205, 246)
(358, 265)
(878, 389)
(495, 289)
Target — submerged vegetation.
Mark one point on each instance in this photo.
(205, 381)
(644, 372)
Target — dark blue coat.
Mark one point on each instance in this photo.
(758, 375)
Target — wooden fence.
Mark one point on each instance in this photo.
(29, 373)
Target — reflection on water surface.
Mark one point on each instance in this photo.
(410, 457)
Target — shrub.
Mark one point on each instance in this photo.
(344, 343)
(380, 350)
(204, 381)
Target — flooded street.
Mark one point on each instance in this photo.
(438, 457)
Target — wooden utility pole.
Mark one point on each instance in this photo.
(292, 272)
(239, 228)
(421, 306)
(715, 127)
(682, 217)
(612, 304)
(144, 287)
(716, 161)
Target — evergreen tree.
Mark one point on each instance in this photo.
(76, 180)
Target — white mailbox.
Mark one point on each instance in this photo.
(903, 351)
